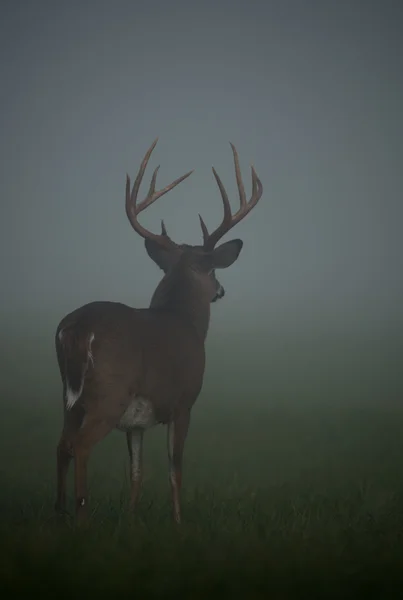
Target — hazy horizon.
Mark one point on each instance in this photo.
(310, 93)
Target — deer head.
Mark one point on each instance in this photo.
(202, 259)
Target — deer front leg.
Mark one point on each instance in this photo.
(135, 447)
(177, 432)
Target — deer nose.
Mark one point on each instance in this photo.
(220, 292)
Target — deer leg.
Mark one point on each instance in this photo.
(177, 432)
(92, 431)
(135, 446)
(64, 454)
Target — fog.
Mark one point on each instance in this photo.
(309, 92)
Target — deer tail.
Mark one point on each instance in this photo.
(75, 355)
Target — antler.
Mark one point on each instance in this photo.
(229, 220)
(133, 209)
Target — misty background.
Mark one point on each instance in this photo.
(310, 92)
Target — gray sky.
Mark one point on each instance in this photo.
(309, 91)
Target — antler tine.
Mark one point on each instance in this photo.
(229, 220)
(227, 209)
(204, 230)
(241, 187)
(133, 209)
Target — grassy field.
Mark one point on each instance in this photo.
(289, 490)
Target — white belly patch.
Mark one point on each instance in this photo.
(139, 413)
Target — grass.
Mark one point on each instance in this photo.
(283, 500)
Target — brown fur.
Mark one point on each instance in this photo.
(137, 352)
(155, 353)
(116, 354)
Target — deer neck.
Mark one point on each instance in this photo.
(182, 292)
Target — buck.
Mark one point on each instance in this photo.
(130, 369)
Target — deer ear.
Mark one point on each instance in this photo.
(226, 254)
(159, 254)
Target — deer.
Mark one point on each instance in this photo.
(130, 369)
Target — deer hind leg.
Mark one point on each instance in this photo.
(177, 432)
(93, 430)
(72, 423)
(135, 447)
